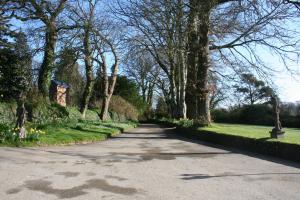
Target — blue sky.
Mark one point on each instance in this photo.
(286, 83)
(288, 86)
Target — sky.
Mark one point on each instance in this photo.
(286, 83)
(288, 87)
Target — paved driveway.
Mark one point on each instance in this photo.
(147, 163)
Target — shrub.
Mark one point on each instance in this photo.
(40, 112)
(258, 114)
(161, 110)
(10, 135)
(7, 112)
(4, 130)
(119, 109)
(123, 107)
(220, 115)
(185, 123)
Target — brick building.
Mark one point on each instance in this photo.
(59, 92)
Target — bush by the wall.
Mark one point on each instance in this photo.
(123, 107)
(7, 112)
(119, 109)
(258, 114)
(74, 114)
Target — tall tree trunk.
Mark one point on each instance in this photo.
(47, 66)
(173, 106)
(177, 90)
(198, 62)
(106, 98)
(87, 90)
(192, 62)
(88, 72)
(109, 85)
(203, 111)
(108, 95)
(181, 61)
(105, 106)
(183, 80)
(21, 115)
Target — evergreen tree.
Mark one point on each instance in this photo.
(129, 90)
(252, 89)
(67, 70)
(5, 31)
(15, 76)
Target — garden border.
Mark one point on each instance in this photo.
(277, 149)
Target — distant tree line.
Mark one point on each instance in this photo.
(259, 114)
(254, 105)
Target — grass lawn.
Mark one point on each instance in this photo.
(72, 133)
(292, 135)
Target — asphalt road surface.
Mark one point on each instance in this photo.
(148, 162)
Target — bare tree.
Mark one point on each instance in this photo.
(83, 16)
(94, 37)
(142, 68)
(162, 34)
(246, 25)
(108, 82)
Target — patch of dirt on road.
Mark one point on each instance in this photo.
(91, 174)
(156, 154)
(13, 191)
(68, 174)
(100, 184)
(116, 177)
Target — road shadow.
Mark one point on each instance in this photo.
(206, 176)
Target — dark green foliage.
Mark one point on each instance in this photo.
(5, 29)
(126, 95)
(185, 123)
(59, 110)
(32, 137)
(4, 129)
(258, 114)
(15, 68)
(253, 90)
(7, 112)
(40, 111)
(161, 108)
(67, 70)
(98, 87)
(15, 75)
(290, 114)
(129, 91)
(78, 127)
(122, 110)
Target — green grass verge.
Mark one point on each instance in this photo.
(292, 135)
(74, 133)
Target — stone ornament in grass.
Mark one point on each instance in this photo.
(22, 133)
(277, 131)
